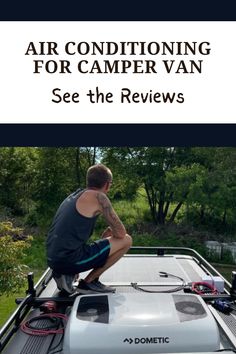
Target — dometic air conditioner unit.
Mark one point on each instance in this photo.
(140, 323)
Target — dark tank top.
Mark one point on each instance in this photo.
(69, 232)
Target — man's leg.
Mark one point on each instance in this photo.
(118, 247)
(64, 282)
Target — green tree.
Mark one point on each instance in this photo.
(161, 171)
(214, 194)
(17, 173)
(125, 179)
(59, 172)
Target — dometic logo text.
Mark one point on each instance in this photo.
(150, 340)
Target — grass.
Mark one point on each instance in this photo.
(7, 302)
(132, 213)
(35, 257)
(225, 270)
(7, 306)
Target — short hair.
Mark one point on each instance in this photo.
(98, 175)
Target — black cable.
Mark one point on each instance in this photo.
(55, 323)
(56, 346)
(166, 275)
(136, 287)
(57, 351)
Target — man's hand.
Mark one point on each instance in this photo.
(107, 233)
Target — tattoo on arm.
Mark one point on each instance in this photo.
(110, 215)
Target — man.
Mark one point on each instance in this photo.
(67, 250)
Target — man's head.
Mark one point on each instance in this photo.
(99, 176)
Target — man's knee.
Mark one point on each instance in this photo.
(128, 241)
(120, 244)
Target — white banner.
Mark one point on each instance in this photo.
(117, 72)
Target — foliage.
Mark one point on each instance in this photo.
(199, 179)
(35, 256)
(59, 172)
(16, 178)
(16, 233)
(13, 243)
(131, 212)
(195, 185)
(165, 173)
(213, 198)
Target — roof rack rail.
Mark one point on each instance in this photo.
(162, 250)
(11, 326)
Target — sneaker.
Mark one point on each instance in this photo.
(104, 287)
(57, 278)
(94, 287)
(64, 282)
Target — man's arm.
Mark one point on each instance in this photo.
(105, 207)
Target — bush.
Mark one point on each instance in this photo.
(13, 243)
(16, 233)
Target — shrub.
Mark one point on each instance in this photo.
(13, 243)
